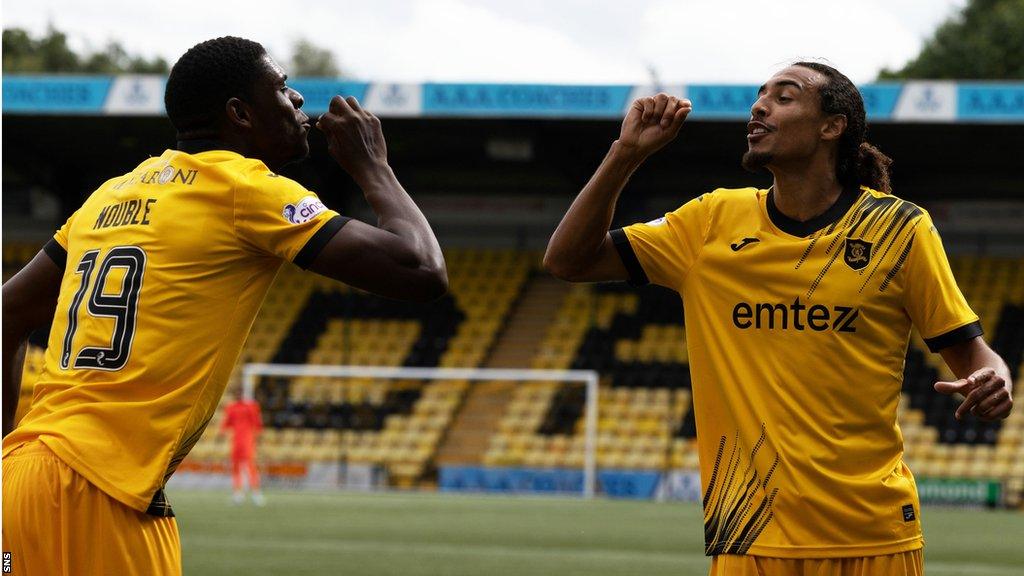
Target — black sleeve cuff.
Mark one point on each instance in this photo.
(955, 336)
(315, 244)
(637, 276)
(57, 253)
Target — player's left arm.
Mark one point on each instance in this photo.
(938, 308)
(984, 380)
(29, 300)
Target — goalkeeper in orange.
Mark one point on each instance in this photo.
(243, 418)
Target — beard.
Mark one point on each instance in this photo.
(755, 161)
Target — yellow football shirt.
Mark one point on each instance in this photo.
(797, 334)
(165, 269)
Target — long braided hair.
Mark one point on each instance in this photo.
(859, 163)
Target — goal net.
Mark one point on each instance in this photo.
(370, 426)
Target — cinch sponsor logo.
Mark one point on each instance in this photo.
(304, 210)
(795, 316)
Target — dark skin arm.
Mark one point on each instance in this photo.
(581, 250)
(400, 257)
(985, 380)
(29, 300)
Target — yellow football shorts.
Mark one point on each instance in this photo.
(57, 524)
(909, 563)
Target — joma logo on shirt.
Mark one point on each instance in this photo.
(819, 318)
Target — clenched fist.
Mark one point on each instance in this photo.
(354, 136)
(653, 122)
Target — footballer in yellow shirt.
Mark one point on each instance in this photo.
(152, 286)
(797, 333)
(798, 304)
(184, 244)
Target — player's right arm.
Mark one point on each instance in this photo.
(400, 257)
(581, 248)
(29, 300)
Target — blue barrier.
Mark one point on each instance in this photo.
(317, 92)
(880, 100)
(721, 101)
(615, 484)
(913, 101)
(480, 479)
(990, 102)
(638, 484)
(524, 100)
(55, 94)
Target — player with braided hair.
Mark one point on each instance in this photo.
(798, 304)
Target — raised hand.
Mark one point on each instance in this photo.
(987, 395)
(653, 122)
(354, 136)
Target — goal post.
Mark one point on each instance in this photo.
(251, 372)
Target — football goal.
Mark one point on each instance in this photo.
(438, 393)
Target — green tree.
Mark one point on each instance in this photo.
(309, 59)
(114, 59)
(983, 41)
(51, 53)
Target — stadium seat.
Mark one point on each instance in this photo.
(633, 337)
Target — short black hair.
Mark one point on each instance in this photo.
(207, 76)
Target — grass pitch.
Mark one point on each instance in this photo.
(402, 534)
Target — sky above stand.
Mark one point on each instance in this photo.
(544, 41)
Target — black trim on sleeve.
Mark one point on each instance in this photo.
(955, 336)
(637, 276)
(57, 253)
(317, 242)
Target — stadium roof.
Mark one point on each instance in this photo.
(142, 95)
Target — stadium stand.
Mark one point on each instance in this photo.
(636, 346)
(17, 254)
(397, 424)
(633, 337)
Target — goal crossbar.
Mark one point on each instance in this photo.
(250, 372)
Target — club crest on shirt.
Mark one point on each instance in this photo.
(657, 221)
(304, 210)
(858, 253)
